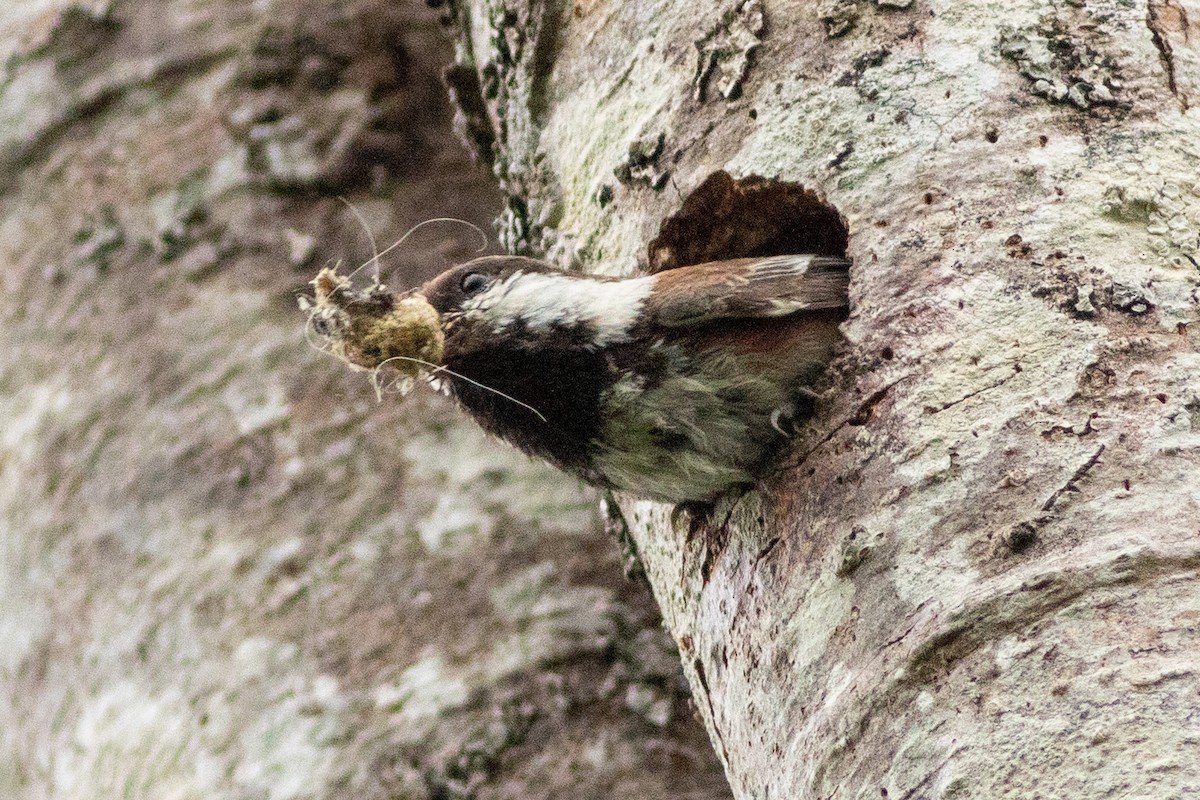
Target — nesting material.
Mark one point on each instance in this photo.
(372, 328)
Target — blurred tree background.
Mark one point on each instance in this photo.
(227, 570)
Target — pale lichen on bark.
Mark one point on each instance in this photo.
(1013, 424)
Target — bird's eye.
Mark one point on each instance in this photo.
(474, 282)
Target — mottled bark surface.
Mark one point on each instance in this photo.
(226, 570)
(976, 576)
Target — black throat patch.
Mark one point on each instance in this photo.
(564, 384)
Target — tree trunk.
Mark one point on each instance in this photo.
(976, 573)
(226, 570)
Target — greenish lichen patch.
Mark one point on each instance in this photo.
(176, 215)
(421, 693)
(99, 239)
(1154, 189)
(593, 141)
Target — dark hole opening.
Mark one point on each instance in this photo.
(748, 217)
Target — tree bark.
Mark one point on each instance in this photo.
(976, 573)
(226, 569)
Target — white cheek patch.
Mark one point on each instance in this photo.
(542, 302)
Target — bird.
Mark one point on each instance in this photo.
(679, 386)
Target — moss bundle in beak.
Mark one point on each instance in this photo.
(373, 327)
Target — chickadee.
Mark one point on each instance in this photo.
(677, 386)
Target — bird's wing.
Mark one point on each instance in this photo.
(748, 288)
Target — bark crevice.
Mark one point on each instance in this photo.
(1155, 9)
